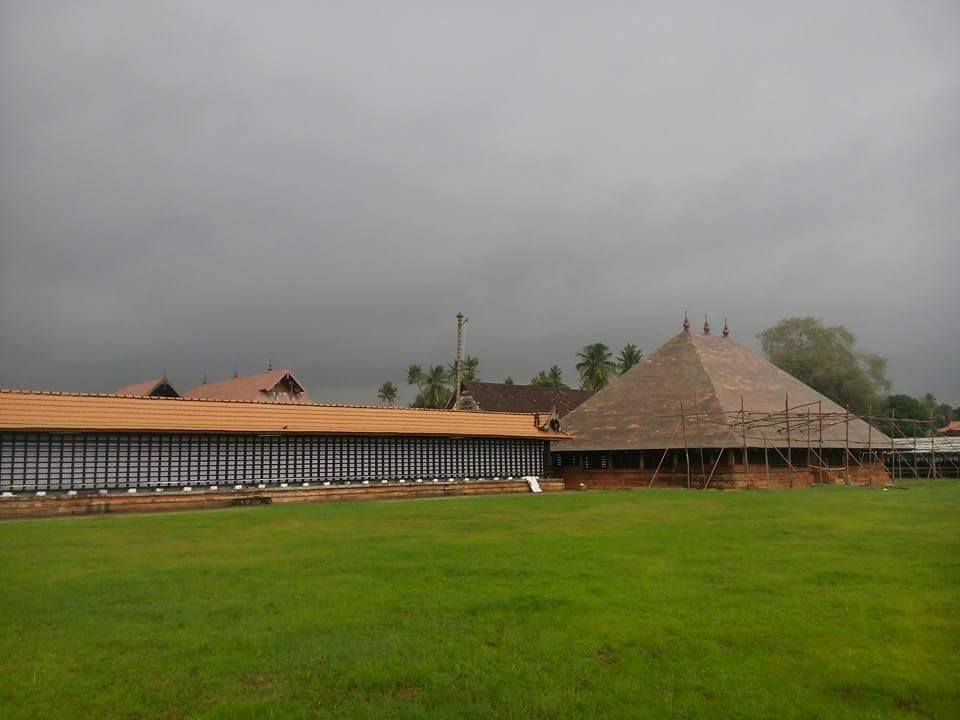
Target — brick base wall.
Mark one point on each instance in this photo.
(736, 477)
(22, 506)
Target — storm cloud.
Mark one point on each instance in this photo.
(202, 186)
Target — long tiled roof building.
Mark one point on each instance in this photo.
(54, 441)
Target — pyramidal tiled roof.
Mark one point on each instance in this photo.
(709, 374)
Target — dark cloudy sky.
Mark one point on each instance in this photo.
(202, 185)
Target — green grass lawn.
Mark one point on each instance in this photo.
(826, 603)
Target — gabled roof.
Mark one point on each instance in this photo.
(247, 387)
(709, 375)
(148, 388)
(43, 411)
(500, 397)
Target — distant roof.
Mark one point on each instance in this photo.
(709, 374)
(247, 387)
(926, 445)
(951, 428)
(145, 389)
(45, 411)
(501, 397)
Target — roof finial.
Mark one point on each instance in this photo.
(706, 325)
(726, 328)
(164, 378)
(235, 374)
(204, 379)
(686, 322)
(270, 365)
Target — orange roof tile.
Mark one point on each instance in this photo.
(246, 387)
(142, 389)
(44, 411)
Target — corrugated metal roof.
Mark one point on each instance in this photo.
(924, 445)
(43, 411)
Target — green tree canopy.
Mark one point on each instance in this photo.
(387, 393)
(550, 378)
(508, 380)
(469, 371)
(435, 390)
(827, 359)
(596, 366)
(629, 356)
(414, 375)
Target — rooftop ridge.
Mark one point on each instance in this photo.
(383, 408)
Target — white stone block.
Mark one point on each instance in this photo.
(10, 494)
(188, 489)
(41, 493)
(283, 485)
(365, 482)
(132, 491)
(326, 483)
(214, 487)
(101, 492)
(158, 489)
(71, 493)
(305, 485)
(261, 486)
(238, 487)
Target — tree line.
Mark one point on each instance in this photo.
(828, 359)
(596, 367)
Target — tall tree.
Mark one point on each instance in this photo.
(469, 370)
(596, 366)
(827, 359)
(629, 356)
(508, 380)
(549, 378)
(414, 375)
(434, 390)
(387, 393)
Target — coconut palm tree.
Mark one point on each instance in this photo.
(387, 393)
(414, 375)
(435, 390)
(469, 369)
(549, 378)
(629, 356)
(596, 366)
(508, 380)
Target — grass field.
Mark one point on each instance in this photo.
(826, 603)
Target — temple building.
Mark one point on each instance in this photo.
(704, 411)
(273, 386)
(507, 397)
(74, 442)
(160, 387)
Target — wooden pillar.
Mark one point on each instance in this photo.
(786, 410)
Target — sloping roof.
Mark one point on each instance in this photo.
(709, 375)
(144, 389)
(44, 411)
(246, 387)
(499, 397)
(951, 428)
